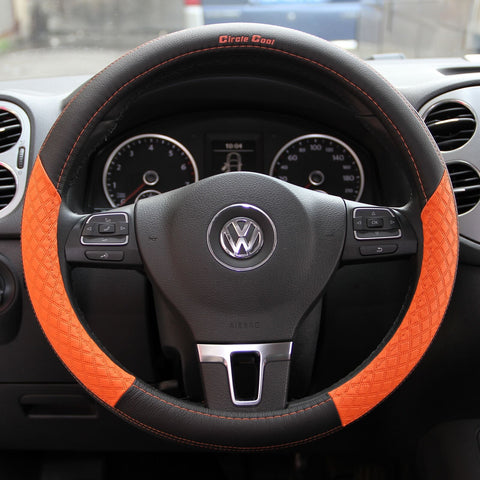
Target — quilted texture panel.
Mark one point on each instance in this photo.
(422, 320)
(85, 360)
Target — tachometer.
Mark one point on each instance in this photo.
(320, 162)
(146, 165)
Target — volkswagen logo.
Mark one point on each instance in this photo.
(241, 237)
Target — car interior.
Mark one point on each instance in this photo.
(240, 251)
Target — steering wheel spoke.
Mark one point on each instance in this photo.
(103, 240)
(377, 232)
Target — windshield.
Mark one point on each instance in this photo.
(40, 38)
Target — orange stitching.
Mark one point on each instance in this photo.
(223, 447)
(87, 83)
(410, 107)
(245, 46)
(231, 418)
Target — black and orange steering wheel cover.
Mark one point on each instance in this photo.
(194, 425)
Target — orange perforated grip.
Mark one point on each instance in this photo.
(80, 354)
(422, 320)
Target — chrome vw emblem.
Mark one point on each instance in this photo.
(241, 237)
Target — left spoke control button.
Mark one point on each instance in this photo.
(104, 255)
(90, 230)
(106, 229)
(105, 240)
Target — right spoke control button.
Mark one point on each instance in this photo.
(375, 223)
(378, 249)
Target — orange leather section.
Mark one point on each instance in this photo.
(86, 361)
(404, 350)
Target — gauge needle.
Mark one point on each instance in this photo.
(126, 199)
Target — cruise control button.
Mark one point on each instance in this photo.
(90, 229)
(98, 240)
(378, 249)
(122, 228)
(106, 228)
(107, 218)
(106, 256)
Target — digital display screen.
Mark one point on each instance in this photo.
(234, 155)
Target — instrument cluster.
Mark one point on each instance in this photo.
(155, 160)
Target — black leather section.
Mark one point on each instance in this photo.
(237, 48)
(201, 427)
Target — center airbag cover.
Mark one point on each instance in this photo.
(179, 236)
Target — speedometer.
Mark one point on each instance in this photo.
(320, 162)
(146, 165)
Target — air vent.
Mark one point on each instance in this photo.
(466, 185)
(452, 125)
(10, 130)
(8, 187)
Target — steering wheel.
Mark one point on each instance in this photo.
(238, 249)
